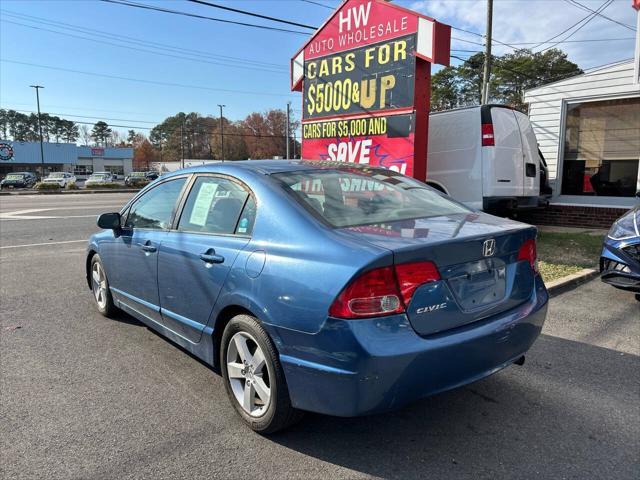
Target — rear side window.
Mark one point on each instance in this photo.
(214, 206)
(351, 196)
(155, 208)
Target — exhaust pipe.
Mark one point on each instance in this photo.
(520, 361)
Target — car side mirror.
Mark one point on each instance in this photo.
(109, 221)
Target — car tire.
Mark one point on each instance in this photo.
(276, 413)
(99, 282)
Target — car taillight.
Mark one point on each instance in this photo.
(382, 291)
(411, 275)
(528, 252)
(487, 135)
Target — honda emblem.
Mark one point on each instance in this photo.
(489, 248)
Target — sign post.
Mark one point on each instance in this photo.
(365, 78)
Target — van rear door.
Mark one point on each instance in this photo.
(502, 162)
(531, 159)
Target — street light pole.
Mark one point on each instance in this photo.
(221, 133)
(38, 87)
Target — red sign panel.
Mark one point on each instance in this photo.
(359, 23)
(97, 152)
(377, 141)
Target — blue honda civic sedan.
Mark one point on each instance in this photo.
(323, 287)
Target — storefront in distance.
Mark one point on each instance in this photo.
(64, 157)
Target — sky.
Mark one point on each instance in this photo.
(189, 64)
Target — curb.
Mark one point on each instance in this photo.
(71, 192)
(570, 282)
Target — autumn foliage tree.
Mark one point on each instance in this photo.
(143, 156)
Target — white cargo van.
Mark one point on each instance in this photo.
(486, 157)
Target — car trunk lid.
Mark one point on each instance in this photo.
(477, 257)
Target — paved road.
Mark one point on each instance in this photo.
(87, 397)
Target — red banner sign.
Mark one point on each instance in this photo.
(377, 141)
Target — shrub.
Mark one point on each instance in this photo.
(104, 186)
(72, 186)
(46, 186)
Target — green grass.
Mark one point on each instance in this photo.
(561, 254)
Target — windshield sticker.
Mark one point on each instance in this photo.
(202, 204)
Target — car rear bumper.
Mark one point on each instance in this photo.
(357, 367)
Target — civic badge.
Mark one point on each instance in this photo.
(489, 248)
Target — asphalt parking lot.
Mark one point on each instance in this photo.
(86, 397)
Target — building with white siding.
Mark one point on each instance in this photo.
(588, 129)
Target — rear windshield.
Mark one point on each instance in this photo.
(350, 197)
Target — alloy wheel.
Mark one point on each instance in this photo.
(99, 281)
(248, 374)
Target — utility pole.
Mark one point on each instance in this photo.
(288, 123)
(487, 55)
(182, 143)
(636, 61)
(38, 87)
(294, 145)
(221, 133)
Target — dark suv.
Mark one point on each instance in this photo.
(19, 180)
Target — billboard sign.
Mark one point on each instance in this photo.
(365, 80)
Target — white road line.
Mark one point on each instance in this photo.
(9, 218)
(43, 244)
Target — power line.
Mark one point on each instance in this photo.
(180, 57)
(584, 7)
(251, 14)
(134, 40)
(587, 20)
(202, 17)
(580, 41)
(140, 80)
(197, 130)
(566, 29)
(318, 4)
(88, 116)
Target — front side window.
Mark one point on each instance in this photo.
(348, 197)
(214, 205)
(156, 207)
(602, 148)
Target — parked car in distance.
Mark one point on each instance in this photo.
(140, 178)
(486, 157)
(19, 180)
(99, 178)
(62, 179)
(136, 179)
(620, 258)
(327, 287)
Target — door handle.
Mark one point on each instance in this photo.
(148, 247)
(210, 257)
